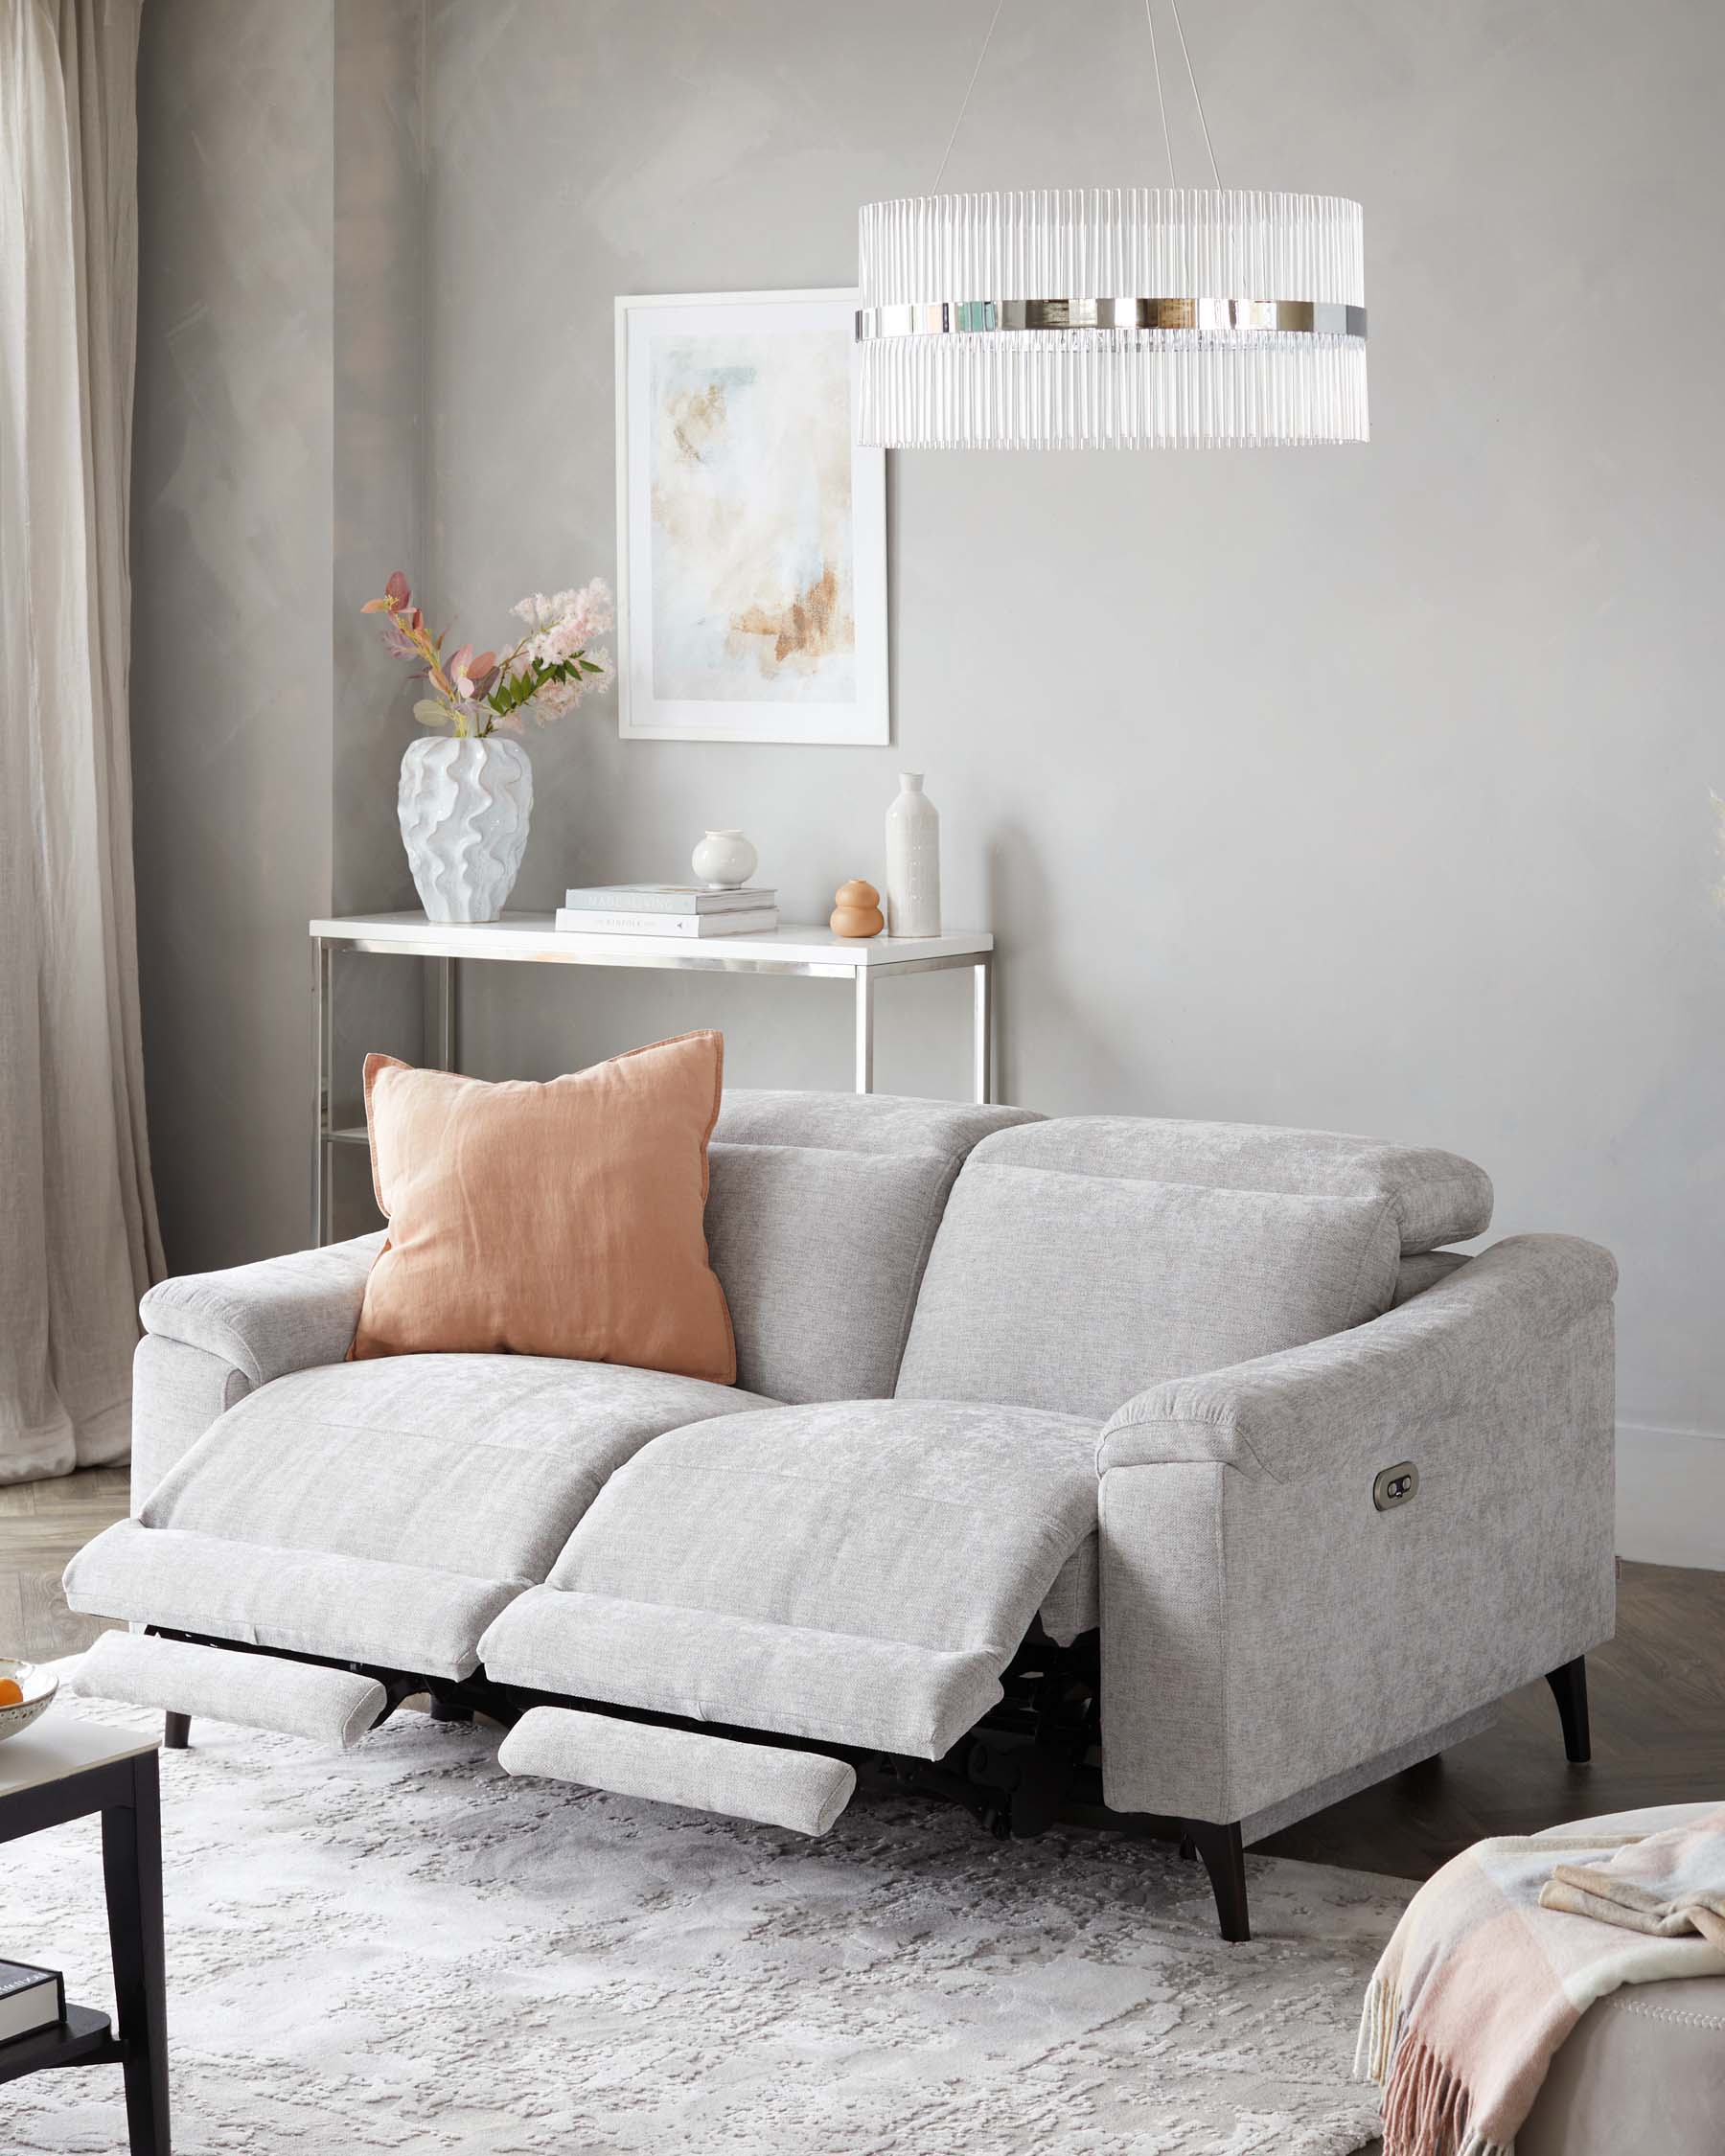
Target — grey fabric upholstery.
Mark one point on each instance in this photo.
(1361, 1774)
(1448, 1350)
(795, 1789)
(820, 1254)
(282, 1313)
(212, 1338)
(819, 1220)
(860, 1122)
(349, 1608)
(333, 1706)
(1265, 1628)
(1236, 1327)
(860, 1573)
(1437, 1197)
(1073, 1604)
(478, 1464)
(939, 1523)
(178, 1392)
(710, 1667)
(1070, 1291)
(382, 1511)
(1424, 1270)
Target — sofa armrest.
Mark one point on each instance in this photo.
(1269, 1638)
(284, 1314)
(1286, 1416)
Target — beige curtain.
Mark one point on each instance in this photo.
(77, 1231)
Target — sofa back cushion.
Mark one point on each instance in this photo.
(821, 1215)
(1077, 1263)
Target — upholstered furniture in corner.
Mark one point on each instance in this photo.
(1184, 1466)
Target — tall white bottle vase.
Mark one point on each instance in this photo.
(912, 862)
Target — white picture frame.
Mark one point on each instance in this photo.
(690, 652)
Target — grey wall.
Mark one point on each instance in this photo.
(231, 519)
(278, 461)
(1361, 788)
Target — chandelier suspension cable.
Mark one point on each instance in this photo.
(1161, 105)
(1161, 100)
(1180, 27)
(964, 107)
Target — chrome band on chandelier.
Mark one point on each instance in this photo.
(1213, 317)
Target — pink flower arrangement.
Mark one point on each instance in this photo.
(547, 671)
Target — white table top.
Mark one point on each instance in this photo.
(59, 1745)
(533, 936)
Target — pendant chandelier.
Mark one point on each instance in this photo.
(1112, 318)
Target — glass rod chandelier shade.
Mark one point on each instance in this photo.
(1114, 318)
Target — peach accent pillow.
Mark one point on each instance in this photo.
(562, 1219)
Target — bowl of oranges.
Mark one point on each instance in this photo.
(25, 1691)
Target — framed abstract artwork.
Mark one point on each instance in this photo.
(752, 530)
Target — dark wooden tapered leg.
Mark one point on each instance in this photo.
(132, 1864)
(176, 1730)
(442, 1711)
(1569, 1688)
(1224, 1857)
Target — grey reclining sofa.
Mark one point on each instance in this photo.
(1176, 1468)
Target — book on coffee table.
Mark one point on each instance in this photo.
(30, 2000)
(665, 898)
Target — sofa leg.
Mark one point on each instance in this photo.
(1569, 1688)
(443, 1711)
(176, 1730)
(1224, 1857)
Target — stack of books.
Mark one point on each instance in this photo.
(31, 2000)
(667, 909)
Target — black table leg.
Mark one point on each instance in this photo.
(131, 1863)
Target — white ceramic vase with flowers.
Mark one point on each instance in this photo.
(466, 793)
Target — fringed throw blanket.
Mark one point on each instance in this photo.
(1480, 1983)
(1666, 1884)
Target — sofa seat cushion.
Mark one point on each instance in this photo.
(468, 1463)
(859, 1573)
(428, 1490)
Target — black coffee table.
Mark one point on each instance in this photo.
(61, 1769)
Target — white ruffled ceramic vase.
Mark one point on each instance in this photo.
(464, 805)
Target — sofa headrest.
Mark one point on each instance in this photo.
(1437, 1197)
(860, 1122)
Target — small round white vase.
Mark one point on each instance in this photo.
(725, 860)
(464, 807)
(912, 862)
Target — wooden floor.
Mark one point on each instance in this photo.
(42, 1524)
(1658, 1704)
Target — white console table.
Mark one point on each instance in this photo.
(799, 954)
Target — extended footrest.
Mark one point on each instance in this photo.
(331, 1706)
(801, 1790)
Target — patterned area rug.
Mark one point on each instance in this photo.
(402, 1949)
